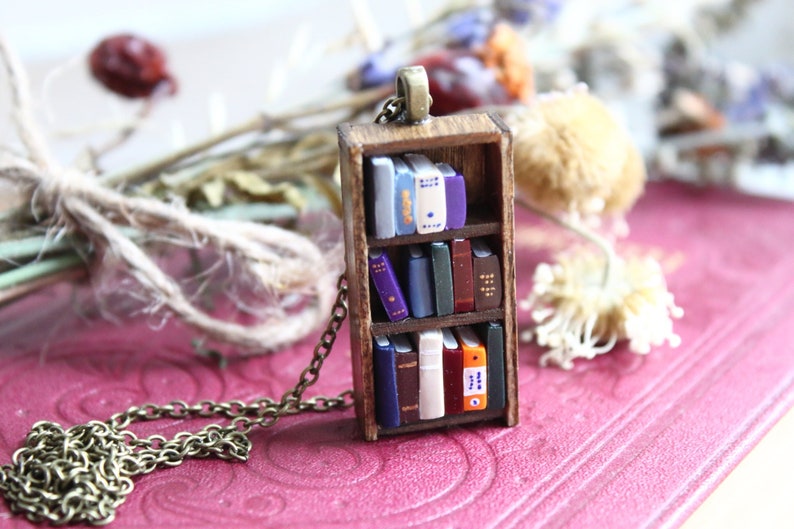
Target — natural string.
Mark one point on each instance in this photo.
(281, 262)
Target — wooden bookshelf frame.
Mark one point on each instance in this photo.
(480, 147)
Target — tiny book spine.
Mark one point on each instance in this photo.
(407, 367)
(453, 374)
(462, 279)
(455, 191)
(475, 370)
(442, 278)
(431, 198)
(421, 290)
(387, 408)
(385, 280)
(492, 335)
(404, 198)
(430, 345)
(380, 207)
(487, 276)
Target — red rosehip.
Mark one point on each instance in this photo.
(131, 66)
(459, 80)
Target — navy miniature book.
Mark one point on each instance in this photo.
(387, 408)
(404, 198)
(386, 285)
(442, 277)
(379, 171)
(419, 280)
(455, 192)
(492, 335)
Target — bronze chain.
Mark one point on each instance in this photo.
(84, 473)
(392, 109)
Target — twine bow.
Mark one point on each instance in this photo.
(280, 262)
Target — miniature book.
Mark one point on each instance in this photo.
(455, 191)
(419, 280)
(492, 335)
(442, 277)
(431, 199)
(406, 361)
(487, 276)
(404, 198)
(385, 280)
(429, 344)
(462, 279)
(475, 370)
(380, 191)
(453, 374)
(387, 408)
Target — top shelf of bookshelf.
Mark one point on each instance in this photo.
(474, 228)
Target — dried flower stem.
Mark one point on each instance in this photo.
(582, 231)
(261, 123)
(31, 277)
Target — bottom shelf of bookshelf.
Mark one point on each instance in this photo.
(452, 420)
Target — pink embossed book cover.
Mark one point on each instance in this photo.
(623, 441)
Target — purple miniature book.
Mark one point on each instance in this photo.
(385, 280)
(455, 189)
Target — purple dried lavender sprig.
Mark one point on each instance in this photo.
(470, 28)
(525, 12)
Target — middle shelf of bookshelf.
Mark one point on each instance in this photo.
(436, 322)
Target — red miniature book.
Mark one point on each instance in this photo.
(462, 281)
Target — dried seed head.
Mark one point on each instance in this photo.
(131, 66)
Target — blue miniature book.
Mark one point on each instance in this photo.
(387, 408)
(404, 198)
(419, 278)
(385, 280)
(455, 191)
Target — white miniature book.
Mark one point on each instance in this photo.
(431, 197)
(430, 345)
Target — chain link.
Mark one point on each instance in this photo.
(392, 108)
(84, 473)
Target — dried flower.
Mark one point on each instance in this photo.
(523, 12)
(504, 51)
(459, 80)
(576, 315)
(572, 156)
(131, 66)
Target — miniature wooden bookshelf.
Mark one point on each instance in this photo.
(479, 147)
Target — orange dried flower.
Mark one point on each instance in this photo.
(504, 52)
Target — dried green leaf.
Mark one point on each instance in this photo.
(213, 192)
(251, 183)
